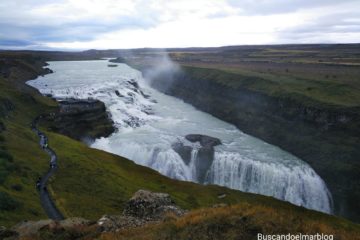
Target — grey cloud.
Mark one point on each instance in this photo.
(266, 7)
(21, 28)
(341, 23)
(17, 22)
(331, 23)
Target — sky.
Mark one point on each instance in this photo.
(122, 24)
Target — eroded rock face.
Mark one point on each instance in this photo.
(204, 155)
(82, 119)
(205, 158)
(183, 150)
(205, 141)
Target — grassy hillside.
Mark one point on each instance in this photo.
(89, 182)
(21, 160)
(241, 221)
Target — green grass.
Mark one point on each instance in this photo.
(316, 75)
(89, 182)
(242, 221)
(315, 92)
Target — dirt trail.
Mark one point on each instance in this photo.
(45, 199)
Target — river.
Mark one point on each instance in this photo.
(149, 123)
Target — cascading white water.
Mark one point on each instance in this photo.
(149, 123)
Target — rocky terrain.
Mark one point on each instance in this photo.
(149, 215)
(82, 120)
(143, 208)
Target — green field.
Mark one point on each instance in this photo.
(323, 74)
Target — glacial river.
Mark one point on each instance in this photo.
(149, 123)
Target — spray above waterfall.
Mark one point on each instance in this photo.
(152, 127)
(161, 70)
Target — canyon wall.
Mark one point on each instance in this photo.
(326, 137)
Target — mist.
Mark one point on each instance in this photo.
(161, 72)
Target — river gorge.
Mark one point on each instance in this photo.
(153, 130)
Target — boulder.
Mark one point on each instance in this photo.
(143, 208)
(151, 206)
(112, 223)
(205, 141)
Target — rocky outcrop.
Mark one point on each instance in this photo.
(326, 137)
(22, 68)
(143, 208)
(81, 119)
(183, 150)
(204, 155)
(205, 141)
(151, 206)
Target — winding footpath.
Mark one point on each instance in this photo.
(46, 202)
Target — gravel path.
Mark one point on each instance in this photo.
(45, 198)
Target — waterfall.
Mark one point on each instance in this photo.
(299, 185)
(192, 165)
(149, 123)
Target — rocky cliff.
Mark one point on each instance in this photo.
(204, 156)
(79, 119)
(82, 120)
(325, 136)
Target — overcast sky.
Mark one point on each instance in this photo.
(105, 24)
